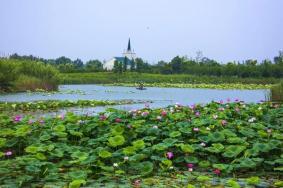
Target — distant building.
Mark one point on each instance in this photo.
(128, 56)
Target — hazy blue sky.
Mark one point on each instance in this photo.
(159, 29)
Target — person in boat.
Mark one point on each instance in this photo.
(141, 86)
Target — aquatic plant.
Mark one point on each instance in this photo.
(121, 146)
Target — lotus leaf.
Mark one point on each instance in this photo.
(117, 140)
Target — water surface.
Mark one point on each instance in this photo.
(160, 97)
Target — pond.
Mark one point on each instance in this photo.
(160, 97)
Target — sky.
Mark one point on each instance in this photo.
(224, 30)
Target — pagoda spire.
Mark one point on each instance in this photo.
(129, 45)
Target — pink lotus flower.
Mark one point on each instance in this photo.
(129, 126)
(30, 121)
(169, 155)
(237, 109)
(17, 118)
(221, 109)
(102, 117)
(197, 114)
(228, 100)
(193, 106)
(163, 113)
(8, 153)
(221, 102)
(217, 171)
(190, 169)
(237, 100)
(41, 121)
(145, 113)
(190, 165)
(195, 129)
(137, 183)
(118, 120)
(223, 122)
(61, 116)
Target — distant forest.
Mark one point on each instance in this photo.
(178, 65)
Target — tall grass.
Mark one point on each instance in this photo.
(276, 92)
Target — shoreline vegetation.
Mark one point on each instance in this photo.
(276, 92)
(51, 105)
(233, 144)
(22, 75)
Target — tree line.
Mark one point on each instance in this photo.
(178, 65)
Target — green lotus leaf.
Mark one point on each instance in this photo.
(76, 133)
(117, 140)
(138, 144)
(77, 174)
(248, 132)
(137, 157)
(32, 149)
(170, 141)
(216, 148)
(2, 142)
(160, 147)
(40, 156)
(216, 137)
(145, 168)
(44, 137)
(203, 178)
(204, 164)
(278, 168)
(57, 153)
(59, 128)
(118, 130)
(22, 130)
(81, 156)
(220, 166)
(104, 154)
(187, 148)
(247, 163)
(233, 184)
(130, 150)
(167, 162)
(77, 183)
(175, 134)
(233, 151)
(261, 147)
(235, 140)
(191, 159)
(279, 161)
(33, 169)
(253, 180)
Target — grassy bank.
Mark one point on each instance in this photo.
(156, 79)
(223, 145)
(22, 75)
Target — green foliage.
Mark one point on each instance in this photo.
(61, 150)
(22, 75)
(160, 80)
(276, 92)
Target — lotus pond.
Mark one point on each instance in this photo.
(218, 144)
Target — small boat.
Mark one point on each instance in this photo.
(140, 88)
